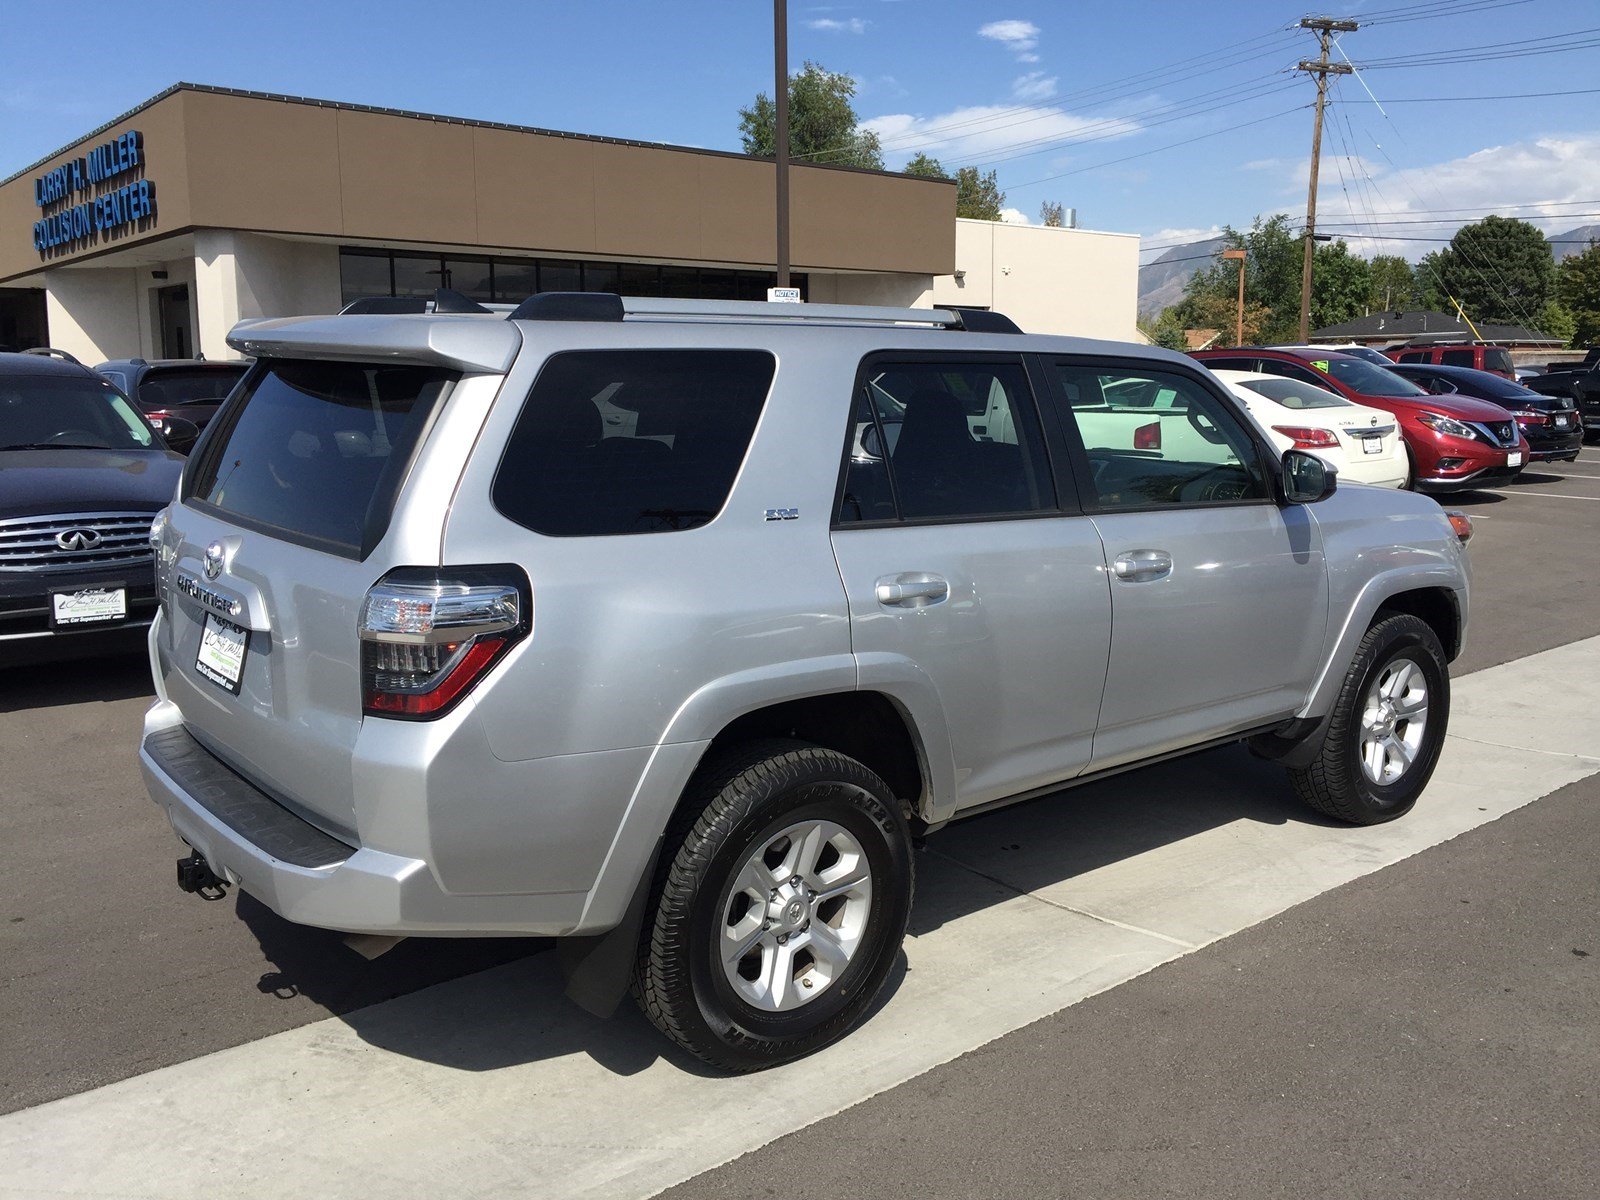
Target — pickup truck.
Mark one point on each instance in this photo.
(1580, 381)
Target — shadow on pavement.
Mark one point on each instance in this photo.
(513, 1010)
(75, 681)
(1470, 499)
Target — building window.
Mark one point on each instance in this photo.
(364, 272)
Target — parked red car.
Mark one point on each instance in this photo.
(1480, 356)
(1456, 443)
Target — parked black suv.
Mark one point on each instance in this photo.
(189, 388)
(82, 475)
(1551, 424)
(1581, 381)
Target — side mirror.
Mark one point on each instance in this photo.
(180, 435)
(1307, 478)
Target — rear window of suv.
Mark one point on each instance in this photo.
(631, 441)
(187, 385)
(314, 452)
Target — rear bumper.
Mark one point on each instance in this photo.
(304, 874)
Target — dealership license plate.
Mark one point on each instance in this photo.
(1372, 445)
(1514, 459)
(222, 650)
(1563, 422)
(72, 607)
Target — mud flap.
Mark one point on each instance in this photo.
(599, 969)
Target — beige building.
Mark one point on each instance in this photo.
(152, 235)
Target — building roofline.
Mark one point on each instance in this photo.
(340, 105)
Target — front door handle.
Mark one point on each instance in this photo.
(913, 589)
(1141, 566)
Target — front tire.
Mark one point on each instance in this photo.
(1387, 728)
(780, 907)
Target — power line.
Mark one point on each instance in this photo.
(1476, 99)
(1441, 10)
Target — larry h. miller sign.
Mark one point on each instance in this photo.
(70, 223)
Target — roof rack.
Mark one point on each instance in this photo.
(52, 352)
(607, 306)
(443, 300)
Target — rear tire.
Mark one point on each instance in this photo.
(780, 906)
(1388, 725)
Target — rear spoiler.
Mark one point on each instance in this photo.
(462, 343)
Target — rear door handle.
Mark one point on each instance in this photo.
(912, 589)
(1142, 566)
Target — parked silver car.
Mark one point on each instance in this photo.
(667, 625)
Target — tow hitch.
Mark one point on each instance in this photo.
(195, 875)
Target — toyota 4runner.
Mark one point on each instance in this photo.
(666, 626)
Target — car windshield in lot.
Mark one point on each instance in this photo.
(62, 412)
(1369, 380)
(187, 385)
(1291, 393)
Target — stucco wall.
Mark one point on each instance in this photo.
(239, 275)
(94, 314)
(1065, 281)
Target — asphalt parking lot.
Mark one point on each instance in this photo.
(108, 972)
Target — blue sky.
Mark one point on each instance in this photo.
(1193, 99)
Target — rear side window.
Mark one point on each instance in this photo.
(631, 441)
(315, 452)
(1457, 358)
(939, 440)
(1495, 358)
(1414, 356)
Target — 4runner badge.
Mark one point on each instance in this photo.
(783, 514)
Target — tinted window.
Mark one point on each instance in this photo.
(1367, 379)
(631, 441)
(1292, 393)
(315, 451)
(64, 411)
(1457, 358)
(1414, 356)
(1497, 359)
(1188, 447)
(193, 386)
(934, 440)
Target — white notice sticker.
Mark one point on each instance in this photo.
(222, 649)
(88, 606)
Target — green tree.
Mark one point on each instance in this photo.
(978, 196)
(1166, 330)
(1273, 259)
(928, 168)
(1500, 269)
(1430, 276)
(1341, 284)
(1053, 213)
(1557, 322)
(1394, 285)
(1578, 285)
(822, 122)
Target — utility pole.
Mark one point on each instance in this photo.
(1238, 332)
(1325, 27)
(780, 95)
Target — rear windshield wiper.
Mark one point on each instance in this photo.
(53, 446)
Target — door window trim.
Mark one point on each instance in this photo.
(1056, 452)
(1089, 501)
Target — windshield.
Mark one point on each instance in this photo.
(1291, 393)
(64, 411)
(1365, 378)
(188, 385)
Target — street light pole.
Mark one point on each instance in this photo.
(1321, 68)
(1238, 334)
(780, 93)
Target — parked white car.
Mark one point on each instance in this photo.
(1363, 444)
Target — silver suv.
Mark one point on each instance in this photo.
(667, 626)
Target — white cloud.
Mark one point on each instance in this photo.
(834, 25)
(1033, 86)
(972, 133)
(1014, 216)
(1163, 240)
(1019, 37)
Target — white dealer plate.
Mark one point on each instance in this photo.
(222, 649)
(88, 606)
(1372, 445)
(1514, 459)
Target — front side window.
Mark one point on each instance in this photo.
(63, 412)
(1186, 448)
(315, 451)
(631, 441)
(939, 440)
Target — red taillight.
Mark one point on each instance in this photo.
(428, 636)
(1306, 438)
(1147, 437)
(159, 419)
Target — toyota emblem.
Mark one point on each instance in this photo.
(213, 560)
(78, 539)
